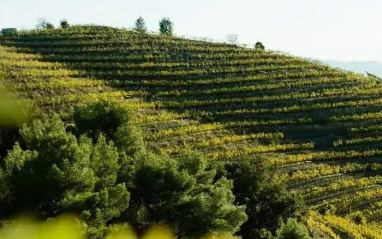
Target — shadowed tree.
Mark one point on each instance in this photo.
(267, 201)
(166, 27)
(64, 23)
(259, 46)
(184, 194)
(112, 120)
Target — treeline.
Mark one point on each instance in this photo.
(166, 26)
(96, 165)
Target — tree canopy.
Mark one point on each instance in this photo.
(140, 25)
(97, 167)
(166, 27)
(64, 24)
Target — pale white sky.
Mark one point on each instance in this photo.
(323, 29)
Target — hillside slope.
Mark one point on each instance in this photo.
(319, 125)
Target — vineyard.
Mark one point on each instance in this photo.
(318, 125)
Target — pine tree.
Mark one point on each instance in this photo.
(293, 230)
(253, 186)
(115, 122)
(59, 173)
(140, 25)
(182, 193)
(166, 27)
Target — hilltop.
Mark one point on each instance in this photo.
(318, 125)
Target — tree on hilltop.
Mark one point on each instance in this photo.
(64, 23)
(43, 24)
(140, 25)
(166, 27)
(259, 46)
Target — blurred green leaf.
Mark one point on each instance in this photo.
(12, 109)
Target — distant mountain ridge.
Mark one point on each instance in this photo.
(373, 67)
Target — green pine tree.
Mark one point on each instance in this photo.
(140, 25)
(166, 27)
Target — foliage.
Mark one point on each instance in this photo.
(267, 201)
(166, 27)
(111, 119)
(58, 173)
(68, 227)
(43, 24)
(339, 227)
(140, 25)
(293, 230)
(49, 26)
(63, 227)
(13, 111)
(64, 24)
(9, 32)
(259, 46)
(182, 193)
(357, 217)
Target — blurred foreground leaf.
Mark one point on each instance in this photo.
(68, 227)
(12, 110)
(64, 227)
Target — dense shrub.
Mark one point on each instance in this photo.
(182, 192)
(293, 230)
(267, 201)
(111, 119)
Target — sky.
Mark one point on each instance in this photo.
(344, 30)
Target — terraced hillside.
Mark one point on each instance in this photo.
(319, 125)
